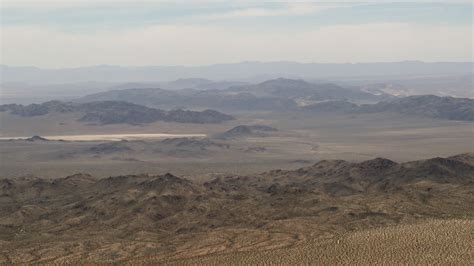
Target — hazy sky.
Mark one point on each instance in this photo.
(69, 33)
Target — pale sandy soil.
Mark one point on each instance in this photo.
(437, 242)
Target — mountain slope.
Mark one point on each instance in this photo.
(83, 219)
(443, 242)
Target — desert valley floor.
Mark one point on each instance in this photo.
(296, 143)
(118, 182)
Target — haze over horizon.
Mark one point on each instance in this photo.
(234, 63)
(161, 33)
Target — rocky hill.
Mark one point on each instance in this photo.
(84, 219)
(116, 112)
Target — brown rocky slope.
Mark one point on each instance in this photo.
(84, 219)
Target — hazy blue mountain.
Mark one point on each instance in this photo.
(235, 71)
(427, 105)
(432, 106)
(277, 94)
(461, 85)
(26, 93)
(300, 89)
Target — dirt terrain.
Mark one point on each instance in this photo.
(296, 143)
(426, 243)
(165, 218)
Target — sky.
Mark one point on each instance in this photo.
(74, 33)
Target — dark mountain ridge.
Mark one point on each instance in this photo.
(116, 112)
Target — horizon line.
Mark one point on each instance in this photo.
(235, 63)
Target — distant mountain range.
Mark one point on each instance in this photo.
(33, 85)
(218, 99)
(457, 85)
(235, 71)
(277, 94)
(423, 105)
(180, 84)
(144, 105)
(292, 95)
(116, 112)
(302, 90)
